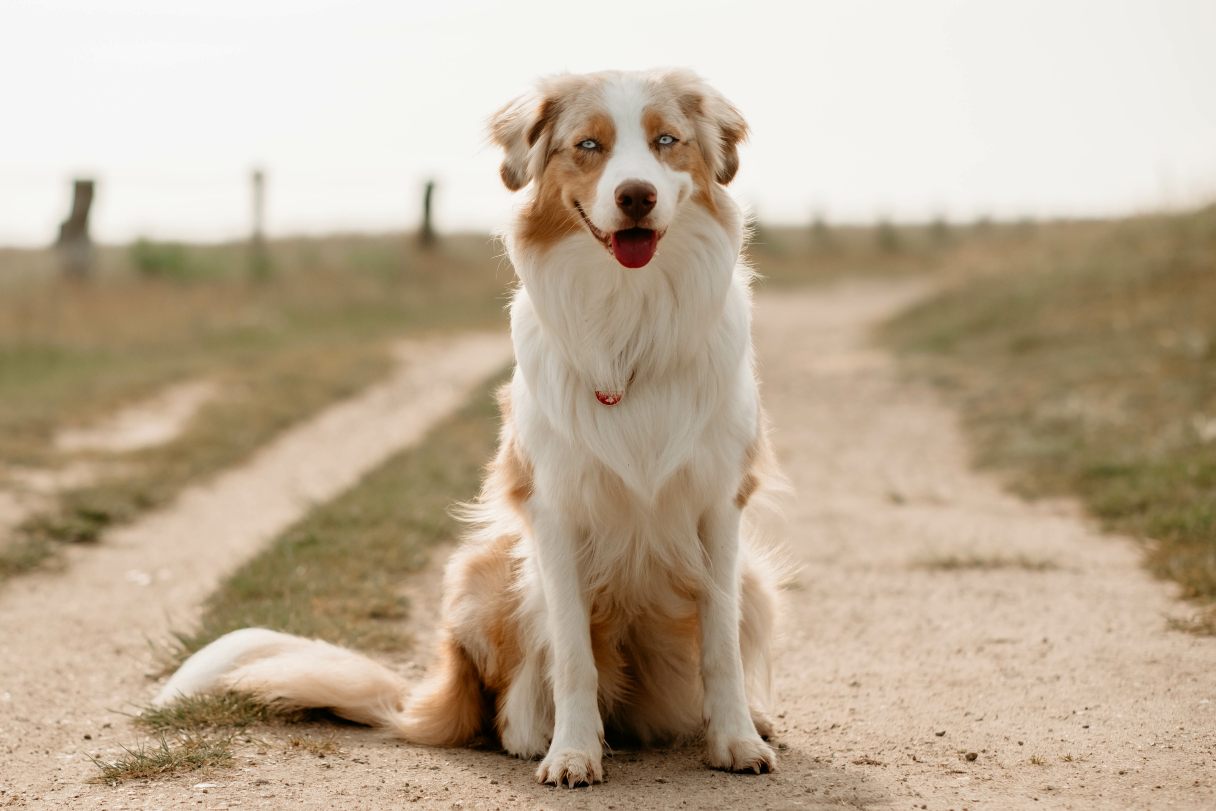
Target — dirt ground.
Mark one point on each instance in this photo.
(945, 645)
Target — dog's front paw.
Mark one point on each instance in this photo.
(747, 754)
(571, 768)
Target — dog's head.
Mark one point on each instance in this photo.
(616, 155)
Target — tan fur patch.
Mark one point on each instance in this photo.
(683, 156)
(449, 709)
(662, 696)
(509, 475)
(570, 175)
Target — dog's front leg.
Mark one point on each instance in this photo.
(575, 755)
(733, 741)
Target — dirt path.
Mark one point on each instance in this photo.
(1051, 662)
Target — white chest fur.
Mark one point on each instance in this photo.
(674, 337)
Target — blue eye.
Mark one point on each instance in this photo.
(666, 140)
(589, 144)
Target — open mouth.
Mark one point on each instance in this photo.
(632, 247)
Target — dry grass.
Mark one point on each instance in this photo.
(1088, 366)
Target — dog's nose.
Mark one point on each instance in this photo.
(636, 198)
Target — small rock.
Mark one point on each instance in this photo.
(972, 755)
(88, 737)
(660, 780)
(940, 734)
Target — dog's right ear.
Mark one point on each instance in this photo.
(522, 130)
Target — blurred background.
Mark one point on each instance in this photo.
(903, 110)
(238, 207)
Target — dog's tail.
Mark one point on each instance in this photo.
(448, 709)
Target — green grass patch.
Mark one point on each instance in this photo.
(1088, 367)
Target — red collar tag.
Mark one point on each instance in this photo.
(608, 398)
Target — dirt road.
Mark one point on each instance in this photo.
(1038, 674)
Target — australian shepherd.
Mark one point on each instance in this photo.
(608, 586)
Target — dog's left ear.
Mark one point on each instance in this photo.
(522, 130)
(720, 127)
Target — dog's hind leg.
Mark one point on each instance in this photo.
(525, 713)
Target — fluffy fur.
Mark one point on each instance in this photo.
(606, 586)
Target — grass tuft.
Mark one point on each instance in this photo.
(227, 710)
(1202, 623)
(169, 755)
(321, 747)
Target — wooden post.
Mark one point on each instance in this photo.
(74, 244)
(259, 204)
(259, 261)
(427, 234)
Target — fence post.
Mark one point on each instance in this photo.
(427, 233)
(259, 261)
(74, 244)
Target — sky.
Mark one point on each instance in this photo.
(859, 109)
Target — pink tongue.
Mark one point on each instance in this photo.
(634, 247)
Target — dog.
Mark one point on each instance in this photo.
(608, 583)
